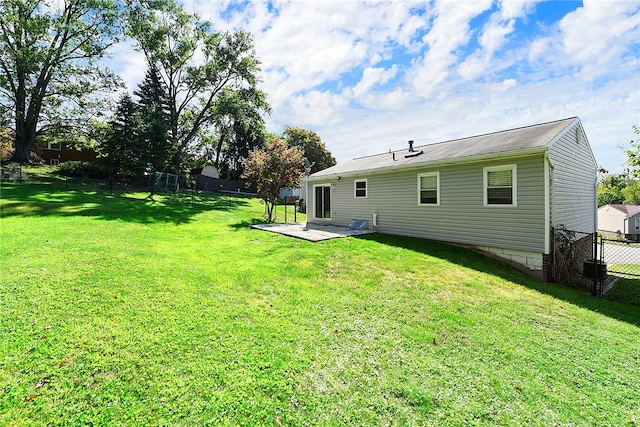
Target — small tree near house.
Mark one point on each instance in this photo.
(272, 168)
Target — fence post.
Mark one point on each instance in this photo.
(597, 266)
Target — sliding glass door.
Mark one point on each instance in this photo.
(322, 201)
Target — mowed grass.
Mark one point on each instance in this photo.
(627, 287)
(128, 311)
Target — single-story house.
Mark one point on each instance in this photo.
(622, 220)
(500, 192)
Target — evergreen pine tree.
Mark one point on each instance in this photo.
(122, 147)
(154, 115)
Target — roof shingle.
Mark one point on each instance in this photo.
(507, 141)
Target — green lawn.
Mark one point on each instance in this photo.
(627, 287)
(120, 310)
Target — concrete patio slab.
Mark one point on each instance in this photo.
(312, 232)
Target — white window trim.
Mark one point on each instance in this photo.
(328, 184)
(514, 184)
(366, 188)
(437, 175)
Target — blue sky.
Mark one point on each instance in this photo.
(370, 75)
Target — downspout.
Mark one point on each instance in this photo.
(548, 194)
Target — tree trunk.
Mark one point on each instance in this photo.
(219, 150)
(27, 113)
(24, 139)
(270, 206)
(21, 154)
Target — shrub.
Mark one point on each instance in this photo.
(83, 169)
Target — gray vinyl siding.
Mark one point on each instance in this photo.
(574, 174)
(632, 224)
(461, 216)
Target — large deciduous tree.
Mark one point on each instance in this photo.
(632, 192)
(272, 168)
(238, 128)
(48, 58)
(610, 187)
(623, 188)
(315, 152)
(194, 64)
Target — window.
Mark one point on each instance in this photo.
(500, 186)
(47, 145)
(54, 162)
(360, 188)
(322, 201)
(637, 223)
(429, 188)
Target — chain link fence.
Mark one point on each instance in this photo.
(573, 256)
(605, 267)
(621, 259)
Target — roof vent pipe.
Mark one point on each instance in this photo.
(411, 146)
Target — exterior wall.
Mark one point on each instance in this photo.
(574, 175)
(611, 219)
(461, 216)
(65, 154)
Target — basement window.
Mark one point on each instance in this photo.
(360, 188)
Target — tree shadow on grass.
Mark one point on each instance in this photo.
(476, 261)
(247, 224)
(56, 197)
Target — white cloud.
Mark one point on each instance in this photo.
(450, 30)
(131, 64)
(509, 83)
(492, 38)
(372, 76)
(510, 9)
(593, 41)
(317, 108)
(598, 28)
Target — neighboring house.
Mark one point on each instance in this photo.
(290, 193)
(54, 153)
(623, 220)
(210, 171)
(208, 179)
(500, 192)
